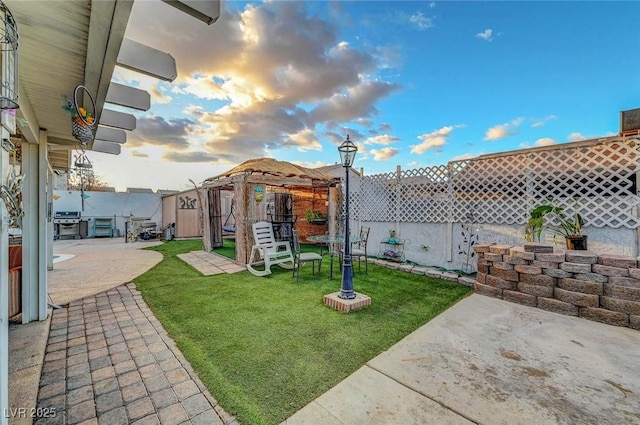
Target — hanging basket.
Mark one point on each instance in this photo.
(82, 127)
(82, 133)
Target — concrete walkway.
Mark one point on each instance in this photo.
(108, 360)
(488, 361)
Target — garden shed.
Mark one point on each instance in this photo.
(183, 210)
(264, 189)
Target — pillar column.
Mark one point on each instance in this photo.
(34, 230)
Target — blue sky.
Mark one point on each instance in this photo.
(414, 83)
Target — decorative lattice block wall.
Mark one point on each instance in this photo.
(502, 189)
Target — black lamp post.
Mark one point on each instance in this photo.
(347, 154)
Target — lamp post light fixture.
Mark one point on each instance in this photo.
(347, 154)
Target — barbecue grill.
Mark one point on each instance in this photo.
(67, 224)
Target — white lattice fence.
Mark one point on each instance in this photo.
(376, 200)
(502, 189)
(601, 177)
(424, 195)
(492, 188)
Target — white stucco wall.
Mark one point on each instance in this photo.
(120, 205)
(435, 235)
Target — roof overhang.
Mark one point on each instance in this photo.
(63, 45)
(67, 43)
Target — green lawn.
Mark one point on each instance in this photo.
(265, 347)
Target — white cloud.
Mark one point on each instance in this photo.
(420, 21)
(486, 35)
(143, 82)
(201, 87)
(310, 164)
(502, 131)
(464, 156)
(432, 4)
(381, 139)
(358, 101)
(575, 137)
(498, 132)
(276, 71)
(193, 110)
(304, 140)
(543, 121)
(384, 153)
(545, 141)
(435, 139)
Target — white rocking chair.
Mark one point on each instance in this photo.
(267, 251)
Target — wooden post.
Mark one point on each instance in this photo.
(207, 236)
(240, 192)
(214, 223)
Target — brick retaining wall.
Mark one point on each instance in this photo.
(604, 288)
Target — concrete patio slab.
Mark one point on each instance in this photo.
(97, 265)
(375, 399)
(490, 362)
(502, 363)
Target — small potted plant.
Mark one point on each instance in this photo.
(315, 216)
(570, 226)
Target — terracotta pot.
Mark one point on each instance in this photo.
(577, 243)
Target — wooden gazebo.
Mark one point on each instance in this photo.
(266, 189)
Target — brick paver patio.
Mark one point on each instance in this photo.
(110, 362)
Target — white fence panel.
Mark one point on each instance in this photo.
(502, 189)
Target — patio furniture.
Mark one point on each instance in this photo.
(304, 257)
(267, 251)
(333, 243)
(359, 249)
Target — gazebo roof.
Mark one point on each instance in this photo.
(273, 167)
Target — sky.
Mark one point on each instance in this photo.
(414, 84)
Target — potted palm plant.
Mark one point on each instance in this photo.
(569, 227)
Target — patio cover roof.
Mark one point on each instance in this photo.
(272, 167)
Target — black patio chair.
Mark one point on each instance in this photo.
(300, 257)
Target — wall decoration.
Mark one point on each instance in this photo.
(259, 193)
(11, 195)
(187, 203)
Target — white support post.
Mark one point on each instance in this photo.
(43, 234)
(4, 293)
(29, 232)
(34, 231)
(49, 214)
